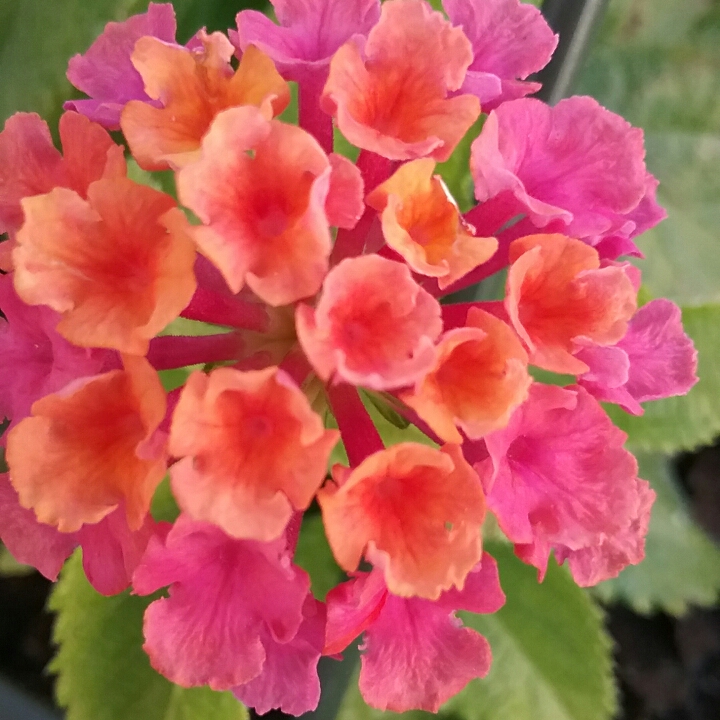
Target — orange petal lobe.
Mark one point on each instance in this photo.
(260, 188)
(557, 293)
(421, 222)
(395, 101)
(91, 447)
(253, 451)
(479, 378)
(118, 266)
(411, 509)
(193, 86)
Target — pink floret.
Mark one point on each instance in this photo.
(655, 360)
(559, 478)
(309, 32)
(510, 40)
(416, 653)
(576, 163)
(228, 601)
(106, 73)
(289, 679)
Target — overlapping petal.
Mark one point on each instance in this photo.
(411, 509)
(260, 187)
(558, 295)
(252, 450)
(422, 223)
(510, 41)
(576, 163)
(393, 98)
(227, 598)
(31, 165)
(35, 360)
(289, 680)
(309, 31)
(91, 447)
(655, 359)
(106, 73)
(373, 326)
(480, 376)
(117, 266)
(193, 86)
(559, 478)
(416, 653)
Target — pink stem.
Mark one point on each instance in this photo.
(296, 365)
(489, 217)
(455, 315)
(497, 262)
(311, 117)
(350, 243)
(357, 429)
(213, 307)
(168, 351)
(172, 400)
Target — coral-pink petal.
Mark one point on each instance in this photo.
(289, 679)
(111, 551)
(417, 656)
(106, 73)
(345, 203)
(223, 594)
(28, 540)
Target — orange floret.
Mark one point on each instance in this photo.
(253, 451)
(394, 99)
(414, 511)
(557, 295)
(91, 447)
(260, 188)
(193, 87)
(479, 378)
(118, 266)
(422, 223)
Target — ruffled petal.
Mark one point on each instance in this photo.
(393, 100)
(264, 215)
(373, 326)
(253, 451)
(226, 597)
(411, 509)
(479, 378)
(97, 440)
(117, 266)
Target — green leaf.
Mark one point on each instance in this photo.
(682, 564)
(103, 672)
(456, 170)
(551, 657)
(683, 423)
(313, 554)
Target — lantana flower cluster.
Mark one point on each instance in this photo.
(330, 282)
